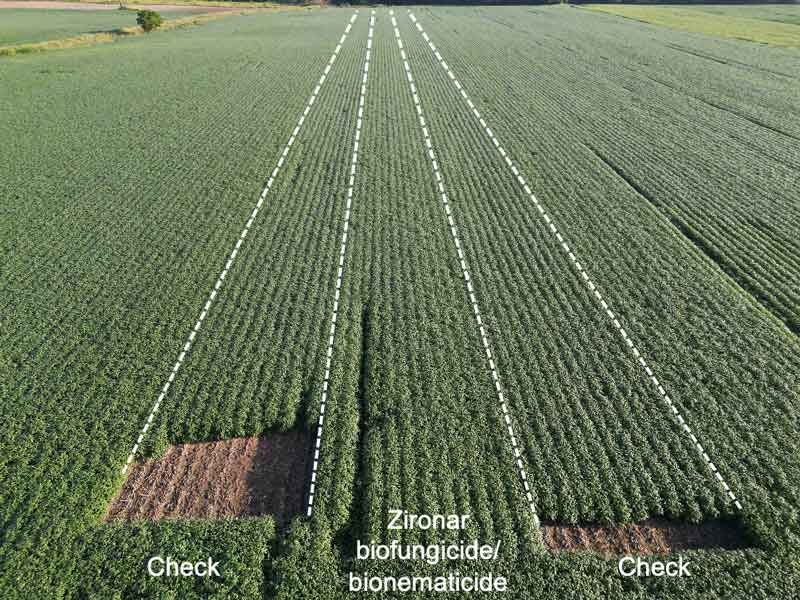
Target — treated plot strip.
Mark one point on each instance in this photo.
(340, 273)
(213, 294)
(467, 280)
(241, 477)
(412, 420)
(580, 270)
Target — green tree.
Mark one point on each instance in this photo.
(148, 19)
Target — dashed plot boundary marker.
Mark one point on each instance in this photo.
(579, 268)
(465, 274)
(215, 290)
(342, 251)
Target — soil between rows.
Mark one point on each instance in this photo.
(240, 477)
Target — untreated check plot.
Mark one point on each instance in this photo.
(253, 358)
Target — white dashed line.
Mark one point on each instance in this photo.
(187, 346)
(580, 270)
(467, 279)
(342, 252)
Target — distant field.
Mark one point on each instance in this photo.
(775, 24)
(28, 25)
(550, 279)
(782, 13)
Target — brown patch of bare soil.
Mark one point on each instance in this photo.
(652, 536)
(240, 477)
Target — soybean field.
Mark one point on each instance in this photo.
(270, 281)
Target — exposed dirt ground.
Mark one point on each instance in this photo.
(90, 6)
(653, 536)
(230, 478)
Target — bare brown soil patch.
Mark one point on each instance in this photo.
(652, 536)
(240, 477)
